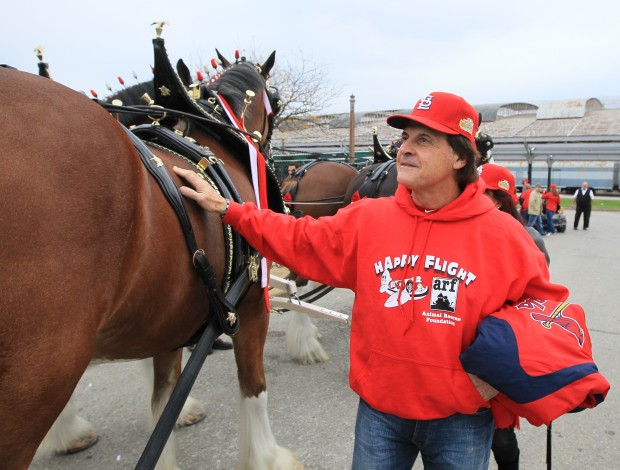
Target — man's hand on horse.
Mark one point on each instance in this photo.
(201, 192)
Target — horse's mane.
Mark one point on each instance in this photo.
(239, 78)
(131, 96)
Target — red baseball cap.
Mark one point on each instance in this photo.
(443, 112)
(498, 177)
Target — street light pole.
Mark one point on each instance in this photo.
(549, 165)
(352, 131)
(530, 160)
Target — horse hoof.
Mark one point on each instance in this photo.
(82, 444)
(193, 413)
(190, 419)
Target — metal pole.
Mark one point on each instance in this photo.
(352, 131)
(530, 161)
(549, 437)
(549, 165)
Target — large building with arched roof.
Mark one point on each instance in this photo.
(533, 138)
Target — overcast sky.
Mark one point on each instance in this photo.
(388, 53)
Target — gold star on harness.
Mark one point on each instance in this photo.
(157, 161)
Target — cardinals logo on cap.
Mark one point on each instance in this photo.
(425, 103)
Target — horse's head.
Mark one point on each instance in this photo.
(239, 94)
(245, 90)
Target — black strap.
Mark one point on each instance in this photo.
(214, 168)
(223, 309)
(371, 184)
(156, 443)
(382, 170)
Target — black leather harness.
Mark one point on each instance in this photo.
(224, 305)
(374, 178)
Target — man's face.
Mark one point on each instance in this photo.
(584, 185)
(425, 160)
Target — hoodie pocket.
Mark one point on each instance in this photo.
(416, 390)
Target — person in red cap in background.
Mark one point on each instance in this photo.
(524, 201)
(425, 270)
(552, 204)
(500, 184)
(500, 188)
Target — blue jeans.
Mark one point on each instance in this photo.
(550, 225)
(387, 442)
(536, 222)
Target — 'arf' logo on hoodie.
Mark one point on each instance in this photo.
(444, 293)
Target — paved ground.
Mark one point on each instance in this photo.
(312, 409)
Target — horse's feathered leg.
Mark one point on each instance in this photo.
(49, 381)
(166, 371)
(302, 339)
(193, 411)
(69, 434)
(258, 447)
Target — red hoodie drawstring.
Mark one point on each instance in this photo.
(416, 270)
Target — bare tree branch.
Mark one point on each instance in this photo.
(305, 91)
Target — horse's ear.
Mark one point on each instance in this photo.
(266, 67)
(223, 60)
(184, 73)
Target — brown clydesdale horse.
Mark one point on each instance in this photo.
(95, 264)
(315, 189)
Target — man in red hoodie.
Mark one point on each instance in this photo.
(427, 266)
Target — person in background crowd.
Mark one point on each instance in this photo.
(583, 199)
(534, 210)
(500, 184)
(420, 264)
(524, 200)
(500, 188)
(552, 205)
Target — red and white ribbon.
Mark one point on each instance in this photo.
(258, 168)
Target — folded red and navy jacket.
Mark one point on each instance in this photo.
(538, 355)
